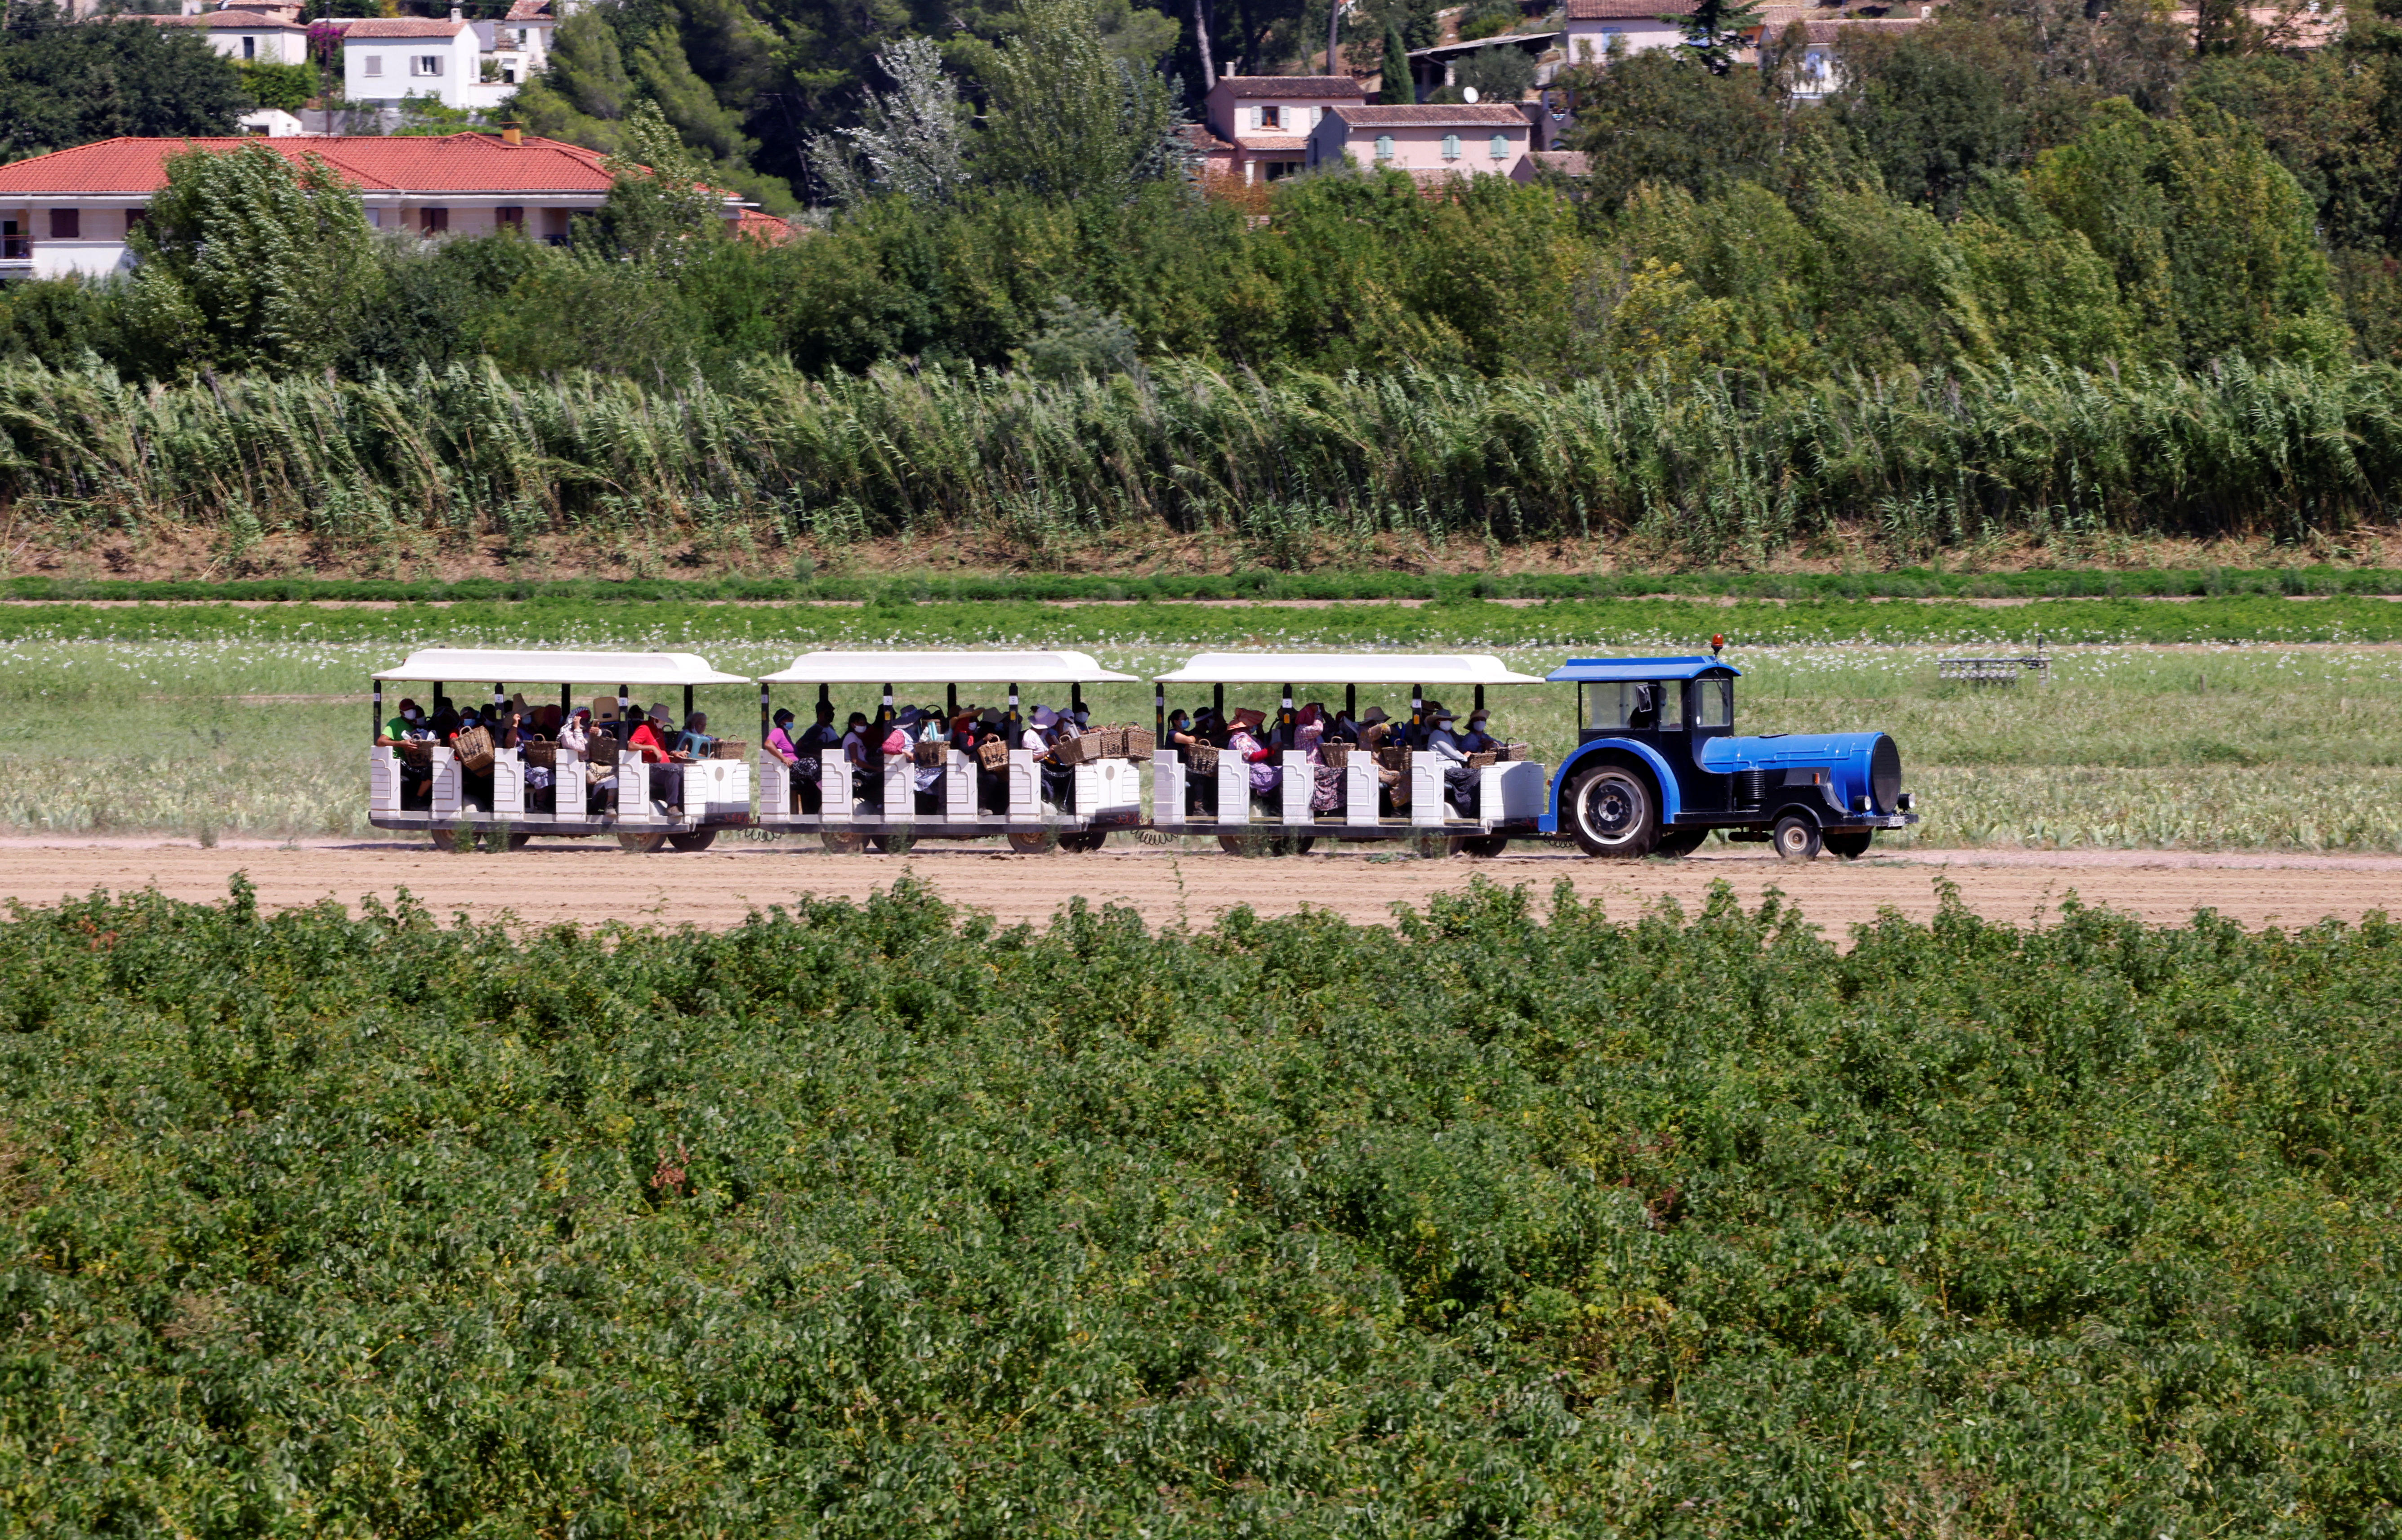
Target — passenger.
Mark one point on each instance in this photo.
(855, 751)
(1476, 740)
(649, 739)
(1342, 729)
(406, 726)
(992, 786)
(1243, 740)
(695, 739)
(1326, 791)
(546, 720)
(925, 780)
(1459, 781)
(1376, 732)
(1058, 780)
(444, 723)
(575, 732)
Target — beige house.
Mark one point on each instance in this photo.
(1265, 120)
(1636, 26)
(259, 35)
(1431, 142)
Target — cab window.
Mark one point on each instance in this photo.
(1714, 702)
(1648, 707)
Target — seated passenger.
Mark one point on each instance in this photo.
(694, 741)
(649, 741)
(1058, 780)
(1243, 741)
(1325, 789)
(1477, 740)
(1459, 781)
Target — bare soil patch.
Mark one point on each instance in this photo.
(586, 881)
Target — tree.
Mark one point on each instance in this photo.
(63, 83)
(1652, 116)
(584, 96)
(1714, 30)
(912, 139)
(250, 261)
(1068, 120)
(659, 196)
(1399, 88)
(289, 87)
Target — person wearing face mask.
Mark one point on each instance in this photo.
(407, 725)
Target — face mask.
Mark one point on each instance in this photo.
(409, 716)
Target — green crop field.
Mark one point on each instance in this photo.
(2252, 723)
(1515, 1220)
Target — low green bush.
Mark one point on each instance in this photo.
(870, 1220)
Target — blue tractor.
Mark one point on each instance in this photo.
(1657, 766)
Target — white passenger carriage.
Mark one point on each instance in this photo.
(598, 791)
(1214, 796)
(967, 798)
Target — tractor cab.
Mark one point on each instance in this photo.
(1676, 703)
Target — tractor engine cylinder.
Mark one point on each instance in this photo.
(1750, 790)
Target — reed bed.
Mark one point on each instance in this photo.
(1290, 461)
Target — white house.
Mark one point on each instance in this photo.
(246, 37)
(385, 58)
(1429, 141)
(527, 29)
(69, 211)
(1266, 119)
(1635, 25)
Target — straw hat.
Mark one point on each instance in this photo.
(1251, 717)
(1374, 715)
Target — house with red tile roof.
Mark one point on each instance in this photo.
(245, 35)
(1429, 141)
(69, 211)
(1264, 120)
(1592, 27)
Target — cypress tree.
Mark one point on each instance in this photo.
(1397, 89)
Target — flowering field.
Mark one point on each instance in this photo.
(254, 723)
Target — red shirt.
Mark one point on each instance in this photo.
(653, 752)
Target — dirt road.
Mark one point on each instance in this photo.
(593, 883)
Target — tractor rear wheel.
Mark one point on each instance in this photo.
(1611, 812)
(1796, 838)
(1850, 843)
(1676, 843)
(693, 841)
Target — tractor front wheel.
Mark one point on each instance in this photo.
(1850, 843)
(1611, 813)
(1796, 838)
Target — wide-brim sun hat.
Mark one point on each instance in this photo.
(1375, 714)
(1045, 717)
(1250, 717)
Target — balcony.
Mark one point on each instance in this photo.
(15, 248)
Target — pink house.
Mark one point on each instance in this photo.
(1264, 120)
(1428, 142)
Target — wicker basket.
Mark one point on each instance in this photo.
(1137, 743)
(543, 753)
(1395, 759)
(1089, 748)
(602, 751)
(1336, 755)
(729, 749)
(473, 747)
(1478, 762)
(415, 750)
(930, 753)
(1513, 752)
(1202, 759)
(992, 753)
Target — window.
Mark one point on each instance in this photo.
(1450, 146)
(250, 48)
(425, 64)
(1501, 146)
(1714, 702)
(510, 215)
(66, 223)
(135, 219)
(433, 221)
(1384, 146)
(372, 66)
(1638, 708)
(1271, 117)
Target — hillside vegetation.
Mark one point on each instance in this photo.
(879, 1220)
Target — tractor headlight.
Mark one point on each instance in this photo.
(1907, 802)
(1860, 802)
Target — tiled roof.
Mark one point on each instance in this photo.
(1198, 136)
(451, 163)
(1629, 11)
(1274, 142)
(1828, 31)
(529, 10)
(765, 228)
(1461, 116)
(1567, 162)
(1291, 87)
(227, 20)
(401, 26)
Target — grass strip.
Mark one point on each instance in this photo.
(1257, 583)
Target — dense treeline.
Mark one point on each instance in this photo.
(1289, 460)
(865, 1221)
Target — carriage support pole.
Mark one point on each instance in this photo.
(375, 714)
(687, 706)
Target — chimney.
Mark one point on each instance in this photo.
(455, 16)
(191, 7)
(512, 134)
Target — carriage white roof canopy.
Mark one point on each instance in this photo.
(946, 669)
(1345, 669)
(470, 664)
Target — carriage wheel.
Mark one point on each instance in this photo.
(842, 845)
(1796, 838)
(641, 844)
(1486, 845)
(1084, 841)
(693, 840)
(1035, 845)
